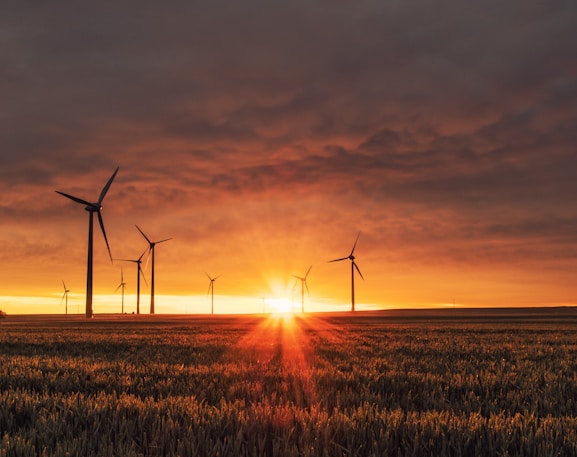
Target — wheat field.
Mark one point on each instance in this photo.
(369, 384)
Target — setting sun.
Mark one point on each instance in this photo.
(279, 305)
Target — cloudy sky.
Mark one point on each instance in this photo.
(263, 136)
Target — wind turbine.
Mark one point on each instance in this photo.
(151, 245)
(65, 296)
(351, 257)
(139, 272)
(93, 208)
(211, 290)
(303, 285)
(123, 285)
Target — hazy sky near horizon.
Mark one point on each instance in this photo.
(263, 136)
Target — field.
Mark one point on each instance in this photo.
(453, 382)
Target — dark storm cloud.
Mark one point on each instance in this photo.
(74, 70)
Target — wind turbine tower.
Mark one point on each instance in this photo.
(151, 246)
(351, 257)
(92, 208)
(123, 285)
(139, 272)
(211, 290)
(303, 281)
(65, 296)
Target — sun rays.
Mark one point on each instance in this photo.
(282, 343)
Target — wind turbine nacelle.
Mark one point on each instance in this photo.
(94, 207)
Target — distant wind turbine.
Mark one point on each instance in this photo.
(65, 296)
(139, 272)
(351, 257)
(211, 290)
(123, 285)
(303, 285)
(93, 208)
(151, 245)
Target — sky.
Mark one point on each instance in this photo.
(264, 136)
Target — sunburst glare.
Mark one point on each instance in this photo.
(279, 305)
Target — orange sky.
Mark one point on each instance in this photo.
(263, 138)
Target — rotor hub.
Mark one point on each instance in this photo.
(93, 208)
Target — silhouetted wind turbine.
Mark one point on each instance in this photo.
(351, 257)
(93, 208)
(65, 296)
(151, 245)
(123, 285)
(139, 272)
(211, 290)
(303, 285)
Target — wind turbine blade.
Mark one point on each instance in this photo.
(338, 260)
(63, 296)
(355, 245)
(209, 287)
(64, 286)
(121, 275)
(143, 277)
(298, 277)
(208, 276)
(147, 259)
(308, 271)
(142, 233)
(355, 265)
(104, 233)
(162, 241)
(76, 199)
(107, 186)
(116, 290)
(307, 286)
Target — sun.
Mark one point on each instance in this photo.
(279, 305)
